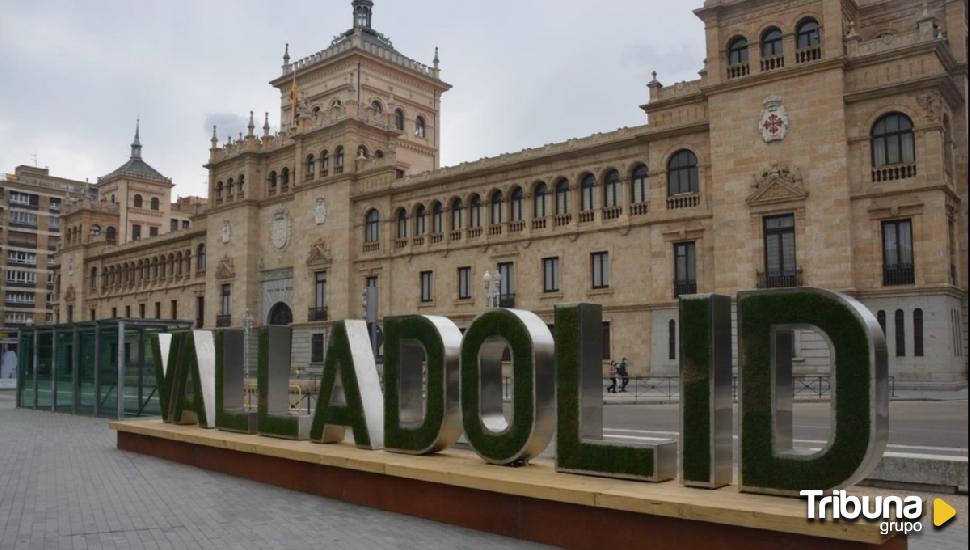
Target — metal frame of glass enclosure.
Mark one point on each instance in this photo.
(83, 368)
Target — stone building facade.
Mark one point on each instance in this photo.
(824, 144)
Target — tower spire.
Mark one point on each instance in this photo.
(266, 125)
(215, 139)
(136, 144)
(252, 125)
(363, 11)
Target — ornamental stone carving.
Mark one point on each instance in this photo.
(774, 120)
(320, 212)
(225, 268)
(281, 229)
(226, 231)
(70, 294)
(932, 105)
(320, 254)
(775, 185)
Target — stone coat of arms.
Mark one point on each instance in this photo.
(281, 229)
(774, 120)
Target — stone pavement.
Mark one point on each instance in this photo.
(63, 484)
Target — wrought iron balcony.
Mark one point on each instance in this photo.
(317, 314)
(685, 287)
(223, 321)
(506, 300)
(785, 278)
(901, 274)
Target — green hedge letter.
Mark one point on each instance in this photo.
(273, 416)
(579, 388)
(494, 438)
(230, 383)
(860, 407)
(706, 415)
(183, 361)
(415, 345)
(350, 391)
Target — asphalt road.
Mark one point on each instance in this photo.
(932, 427)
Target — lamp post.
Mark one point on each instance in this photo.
(491, 294)
(247, 328)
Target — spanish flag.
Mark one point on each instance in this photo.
(295, 96)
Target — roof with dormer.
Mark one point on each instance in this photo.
(136, 166)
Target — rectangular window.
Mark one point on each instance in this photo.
(685, 269)
(897, 253)
(316, 348)
(550, 275)
(174, 225)
(779, 244)
(426, 291)
(464, 283)
(606, 340)
(135, 232)
(199, 311)
(226, 299)
(600, 269)
(141, 311)
(185, 224)
(158, 310)
(114, 313)
(70, 314)
(175, 309)
(152, 231)
(506, 288)
(127, 312)
(94, 315)
(320, 290)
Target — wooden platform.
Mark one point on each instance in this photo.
(533, 502)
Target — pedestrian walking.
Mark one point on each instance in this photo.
(612, 388)
(624, 374)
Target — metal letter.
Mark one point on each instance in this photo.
(767, 463)
(497, 440)
(415, 345)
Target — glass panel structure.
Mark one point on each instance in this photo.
(101, 368)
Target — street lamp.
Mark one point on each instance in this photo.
(491, 295)
(247, 328)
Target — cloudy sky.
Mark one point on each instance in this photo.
(525, 72)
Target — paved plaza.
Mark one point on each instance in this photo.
(63, 484)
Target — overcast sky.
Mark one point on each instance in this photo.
(75, 75)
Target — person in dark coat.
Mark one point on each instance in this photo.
(621, 370)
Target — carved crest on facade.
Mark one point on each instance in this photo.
(320, 212)
(932, 105)
(70, 294)
(226, 231)
(225, 268)
(776, 185)
(774, 120)
(280, 232)
(319, 254)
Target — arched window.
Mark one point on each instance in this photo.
(361, 153)
(231, 186)
(639, 184)
(562, 196)
(285, 180)
(111, 235)
(242, 185)
(682, 173)
(771, 43)
(372, 226)
(324, 163)
(807, 35)
(881, 319)
(892, 140)
(271, 180)
(311, 166)
(220, 190)
(900, 323)
(95, 230)
(475, 211)
(378, 108)
(138, 201)
(437, 218)
(672, 339)
(918, 332)
(94, 278)
(738, 54)
(611, 189)
(419, 220)
(496, 203)
(399, 120)
(200, 258)
(402, 224)
(154, 204)
(456, 212)
(378, 154)
(338, 160)
(419, 127)
(587, 192)
(515, 205)
(540, 201)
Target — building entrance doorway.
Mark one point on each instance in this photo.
(280, 314)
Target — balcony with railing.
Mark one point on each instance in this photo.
(418, 240)
(474, 232)
(783, 278)
(683, 200)
(563, 219)
(372, 246)
(806, 55)
(495, 229)
(684, 287)
(639, 208)
(455, 235)
(772, 62)
(893, 172)
(506, 300)
(586, 216)
(738, 70)
(400, 243)
(436, 238)
(223, 321)
(611, 212)
(900, 274)
(539, 223)
(317, 314)
(516, 226)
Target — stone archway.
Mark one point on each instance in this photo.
(280, 314)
